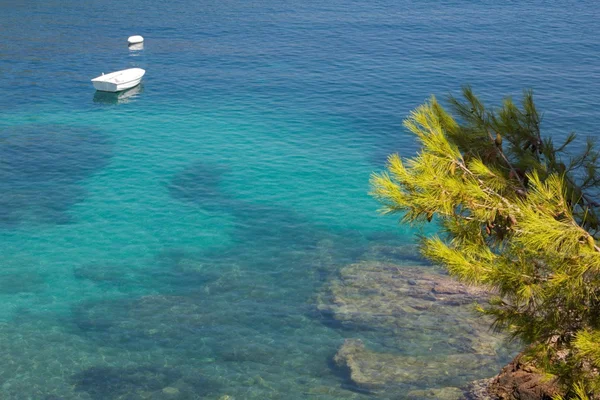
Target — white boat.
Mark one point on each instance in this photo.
(135, 39)
(119, 80)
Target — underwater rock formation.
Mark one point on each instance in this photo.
(409, 304)
(446, 393)
(479, 390)
(384, 372)
(422, 316)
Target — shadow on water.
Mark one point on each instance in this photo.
(126, 96)
(41, 167)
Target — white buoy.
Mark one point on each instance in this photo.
(135, 39)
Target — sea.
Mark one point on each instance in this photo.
(174, 241)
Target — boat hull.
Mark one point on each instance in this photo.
(124, 96)
(116, 87)
(119, 81)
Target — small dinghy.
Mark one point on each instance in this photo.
(135, 39)
(119, 80)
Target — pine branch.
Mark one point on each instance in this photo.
(527, 234)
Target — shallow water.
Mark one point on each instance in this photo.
(170, 242)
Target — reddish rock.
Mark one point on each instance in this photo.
(520, 380)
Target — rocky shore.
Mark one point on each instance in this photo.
(519, 380)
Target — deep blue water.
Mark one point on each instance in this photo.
(178, 237)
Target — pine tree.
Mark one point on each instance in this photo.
(517, 214)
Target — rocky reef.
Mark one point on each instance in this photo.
(386, 372)
(400, 309)
(407, 304)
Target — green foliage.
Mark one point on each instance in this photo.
(577, 393)
(517, 215)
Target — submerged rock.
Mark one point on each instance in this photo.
(384, 372)
(479, 390)
(423, 318)
(446, 393)
(408, 305)
(171, 391)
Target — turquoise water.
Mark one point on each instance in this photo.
(178, 237)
